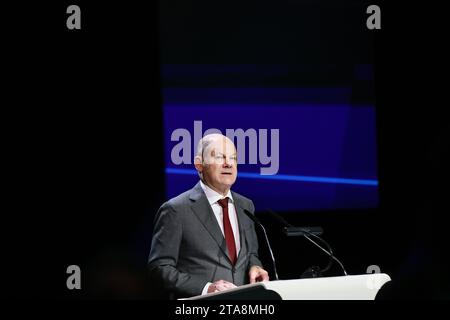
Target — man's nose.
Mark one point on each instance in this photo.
(227, 163)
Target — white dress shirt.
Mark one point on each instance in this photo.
(213, 197)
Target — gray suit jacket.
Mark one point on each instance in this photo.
(188, 248)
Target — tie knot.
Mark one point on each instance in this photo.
(223, 202)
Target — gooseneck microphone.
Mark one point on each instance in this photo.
(256, 220)
(290, 230)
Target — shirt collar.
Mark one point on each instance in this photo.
(212, 195)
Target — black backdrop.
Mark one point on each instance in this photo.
(82, 122)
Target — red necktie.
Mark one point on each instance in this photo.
(228, 231)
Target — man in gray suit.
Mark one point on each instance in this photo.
(203, 241)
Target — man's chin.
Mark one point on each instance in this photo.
(227, 183)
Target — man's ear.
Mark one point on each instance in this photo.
(198, 163)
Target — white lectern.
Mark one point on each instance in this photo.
(359, 287)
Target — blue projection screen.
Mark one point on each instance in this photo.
(326, 157)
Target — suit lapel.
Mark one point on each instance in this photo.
(202, 209)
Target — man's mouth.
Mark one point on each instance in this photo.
(227, 173)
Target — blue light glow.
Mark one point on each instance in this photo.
(286, 177)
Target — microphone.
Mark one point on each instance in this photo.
(256, 221)
(290, 230)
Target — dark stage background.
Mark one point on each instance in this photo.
(83, 123)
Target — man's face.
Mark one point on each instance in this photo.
(219, 167)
